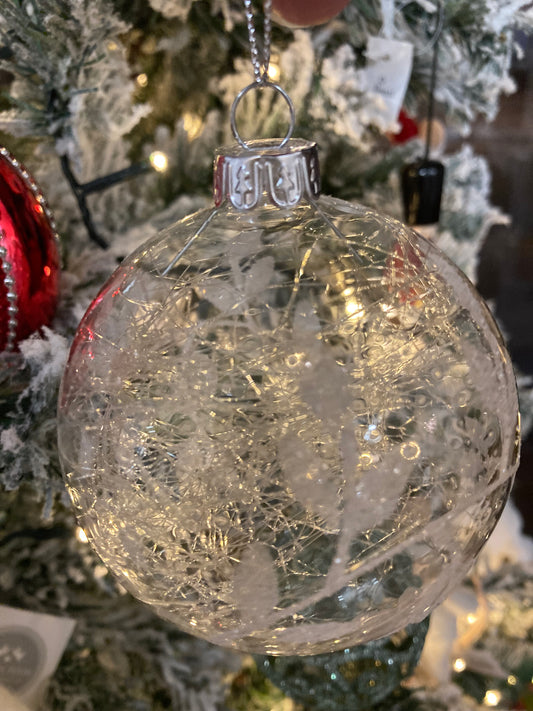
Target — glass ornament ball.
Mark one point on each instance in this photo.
(288, 423)
(29, 255)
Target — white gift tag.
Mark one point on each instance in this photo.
(387, 13)
(31, 645)
(388, 70)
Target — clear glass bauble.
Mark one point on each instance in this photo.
(288, 423)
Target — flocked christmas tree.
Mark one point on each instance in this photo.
(95, 87)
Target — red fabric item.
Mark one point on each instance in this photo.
(409, 129)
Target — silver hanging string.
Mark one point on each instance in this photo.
(260, 67)
(260, 64)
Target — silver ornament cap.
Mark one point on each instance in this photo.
(266, 172)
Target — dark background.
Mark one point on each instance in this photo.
(506, 265)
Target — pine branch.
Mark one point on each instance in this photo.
(51, 46)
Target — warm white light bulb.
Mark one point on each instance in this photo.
(159, 161)
(459, 665)
(274, 72)
(81, 535)
(192, 123)
(492, 697)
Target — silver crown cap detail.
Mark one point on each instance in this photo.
(284, 176)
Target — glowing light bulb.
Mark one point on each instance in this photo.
(274, 72)
(459, 665)
(471, 618)
(512, 680)
(192, 124)
(492, 697)
(81, 535)
(142, 79)
(159, 161)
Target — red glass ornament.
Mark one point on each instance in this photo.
(304, 13)
(29, 255)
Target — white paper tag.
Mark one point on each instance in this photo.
(31, 645)
(387, 13)
(388, 70)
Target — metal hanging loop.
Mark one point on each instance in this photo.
(260, 64)
(264, 84)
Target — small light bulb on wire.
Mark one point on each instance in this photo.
(159, 161)
(492, 697)
(192, 124)
(274, 72)
(459, 665)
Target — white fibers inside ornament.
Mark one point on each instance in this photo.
(290, 425)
